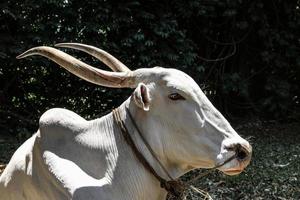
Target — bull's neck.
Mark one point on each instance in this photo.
(145, 178)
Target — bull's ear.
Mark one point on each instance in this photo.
(141, 96)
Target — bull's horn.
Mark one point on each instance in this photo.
(100, 54)
(82, 70)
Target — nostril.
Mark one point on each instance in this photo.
(241, 154)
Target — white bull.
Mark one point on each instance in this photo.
(71, 158)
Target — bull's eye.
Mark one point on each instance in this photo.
(176, 96)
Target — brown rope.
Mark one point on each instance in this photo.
(148, 146)
(174, 187)
(130, 142)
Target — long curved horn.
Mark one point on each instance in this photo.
(100, 54)
(82, 70)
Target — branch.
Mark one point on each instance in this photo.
(220, 59)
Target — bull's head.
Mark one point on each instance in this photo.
(178, 120)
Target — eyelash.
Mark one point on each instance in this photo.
(175, 97)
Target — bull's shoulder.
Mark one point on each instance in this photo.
(59, 116)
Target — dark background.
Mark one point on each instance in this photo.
(243, 53)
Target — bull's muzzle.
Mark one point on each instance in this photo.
(243, 154)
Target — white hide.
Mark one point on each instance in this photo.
(71, 158)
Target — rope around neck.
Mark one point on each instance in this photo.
(176, 188)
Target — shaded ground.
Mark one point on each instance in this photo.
(274, 172)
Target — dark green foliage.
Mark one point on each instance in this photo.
(244, 53)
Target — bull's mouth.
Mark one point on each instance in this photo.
(232, 172)
(234, 167)
(236, 164)
(231, 166)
